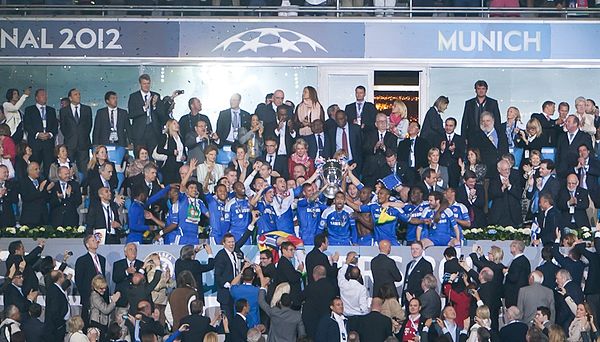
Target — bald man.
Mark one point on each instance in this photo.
(317, 296)
(573, 200)
(34, 194)
(230, 121)
(505, 193)
(384, 269)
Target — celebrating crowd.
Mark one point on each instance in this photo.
(264, 178)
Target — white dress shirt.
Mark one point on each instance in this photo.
(338, 140)
(354, 295)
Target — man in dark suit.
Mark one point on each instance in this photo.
(199, 324)
(58, 309)
(572, 202)
(548, 267)
(384, 268)
(566, 288)
(41, 125)
(278, 163)
(144, 111)
(549, 125)
(416, 269)
(284, 131)
(376, 143)
(267, 111)
(316, 297)
(286, 273)
(346, 136)
(452, 148)
(103, 213)
(197, 140)
(17, 255)
(429, 182)
(491, 142)
(407, 175)
(14, 295)
(122, 275)
(514, 330)
(329, 329)
(591, 288)
(231, 120)
(237, 326)
(517, 275)
(34, 196)
(8, 197)
(361, 112)
(317, 141)
(374, 326)
(475, 107)
(486, 292)
(87, 267)
(505, 193)
(548, 220)
(472, 196)
(111, 125)
(76, 126)
(545, 183)
(33, 327)
(413, 150)
(188, 122)
(588, 172)
(568, 144)
(317, 257)
(65, 198)
(104, 179)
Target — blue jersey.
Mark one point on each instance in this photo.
(460, 212)
(267, 222)
(218, 224)
(414, 211)
(190, 210)
(173, 237)
(239, 216)
(341, 228)
(441, 232)
(309, 218)
(285, 213)
(385, 231)
(135, 215)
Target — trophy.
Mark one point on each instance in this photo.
(332, 176)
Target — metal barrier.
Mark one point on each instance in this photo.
(403, 9)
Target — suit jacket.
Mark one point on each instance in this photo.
(374, 326)
(314, 258)
(549, 270)
(199, 326)
(224, 125)
(384, 271)
(143, 291)
(564, 316)
(449, 158)
(196, 149)
(515, 331)
(316, 296)
(412, 281)
(224, 269)
(32, 124)
(85, 271)
(135, 108)
(122, 279)
(94, 183)
(421, 149)
(76, 133)
(591, 178)
(270, 130)
(368, 114)
(279, 164)
(286, 324)
(516, 278)
(95, 218)
(432, 128)
(580, 216)
(567, 154)
(533, 296)
(431, 304)
(7, 215)
(328, 330)
(355, 139)
(506, 205)
(475, 208)
(375, 163)
(551, 187)
(286, 273)
(407, 175)
(63, 211)
(575, 267)
(34, 211)
(30, 280)
(472, 114)
(237, 330)
(57, 307)
(34, 330)
(490, 154)
(313, 146)
(267, 114)
(12, 296)
(548, 222)
(593, 276)
(548, 128)
(197, 270)
(187, 123)
(102, 127)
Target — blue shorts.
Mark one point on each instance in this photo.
(366, 240)
(411, 234)
(440, 239)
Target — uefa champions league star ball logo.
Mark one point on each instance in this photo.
(286, 40)
(167, 260)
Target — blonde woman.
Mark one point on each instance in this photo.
(308, 111)
(482, 320)
(300, 157)
(159, 293)
(513, 125)
(100, 310)
(75, 330)
(171, 145)
(99, 158)
(209, 172)
(494, 262)
(532, 138)
(399, 120)
(586, 121)
(212, 336)
(434, 163)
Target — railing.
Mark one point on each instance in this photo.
(401, 10)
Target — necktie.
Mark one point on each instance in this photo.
(380, 136)
(235, 269)
(570, 137)
(112, 118)
(108, 220)
(412, 152)
(150, 187)
(582, 182)
(43, 110)
(76, 114)
(63, 188)
(320, 143)
(359, 106)
(36, 183)
(148, 113)
(344, 140)
(97, 264)
(271, 160)
(236, 119)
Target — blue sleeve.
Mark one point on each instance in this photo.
(360, 186)
(400, 214)
(452, 222)
(353, 231)
(297, 191)
(136, 219)
(174, 336)
(157, 196)
(365, 208)
(209, 198)
(203, 208)
(465, 216)
(303, 202)
(322, 223)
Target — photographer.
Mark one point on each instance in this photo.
(148, 322)
(189, 121)
(187, 262)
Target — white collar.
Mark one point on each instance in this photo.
(39, 106)
(240, 314)
(518, 255)
(144, 94)
(75, 106)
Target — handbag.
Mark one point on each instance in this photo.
(159, 157)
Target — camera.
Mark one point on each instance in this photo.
(179, 92)
(70, 253)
